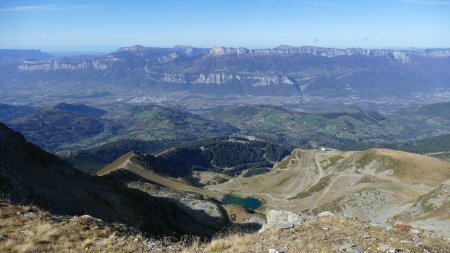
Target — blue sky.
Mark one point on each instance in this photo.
(102, 25)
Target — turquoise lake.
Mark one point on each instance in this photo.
(249, 203)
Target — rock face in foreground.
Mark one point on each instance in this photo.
(12, 186)
(205, 210)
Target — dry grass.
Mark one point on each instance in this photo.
(403, 228)
(424, 169)
(219, 245)
(238, 214)
(43, 232)
(117, 164)
(323, 235)
(49, 233)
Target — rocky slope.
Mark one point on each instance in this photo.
(326, 233)
(432, 210)
(137, 172)
(377, 184)
(31, 175)
(29, 229)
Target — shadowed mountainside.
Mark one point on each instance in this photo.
(30, 175)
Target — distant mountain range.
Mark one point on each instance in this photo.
(8, 56)
(281, 71)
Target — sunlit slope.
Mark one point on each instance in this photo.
(372, 184)
(130, 162)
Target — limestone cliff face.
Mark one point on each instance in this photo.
(280, 71)
(332, 52)
(65, 65)
(137, 57)
(221, 78)
(220, 51)
(214, 78)
(167, 58)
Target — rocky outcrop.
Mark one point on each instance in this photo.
(136, 50)
(403, 55)
(62, 65)
(282, 219)
(167, 58)
(221, 78)
(268, 80)
(166, 77)
(221, 51)
(215, 78)
(166, 55)
(12, 186)
(204, 210)
(434, 203)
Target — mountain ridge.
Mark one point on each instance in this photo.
(285, 71)
(31, 175)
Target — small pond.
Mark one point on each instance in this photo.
(249, 203)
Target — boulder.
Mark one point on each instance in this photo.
(282, 219)
(325, 213)
(275, 251)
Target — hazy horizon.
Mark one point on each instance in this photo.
(103, 26)
(105, 50)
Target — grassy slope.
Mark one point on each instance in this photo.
(296, 183)
(57, 127)
(423, 121)
(427, 145)
(50, 233)
(151, 122)
(68, 127)
(152, 176)
(300, 129)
